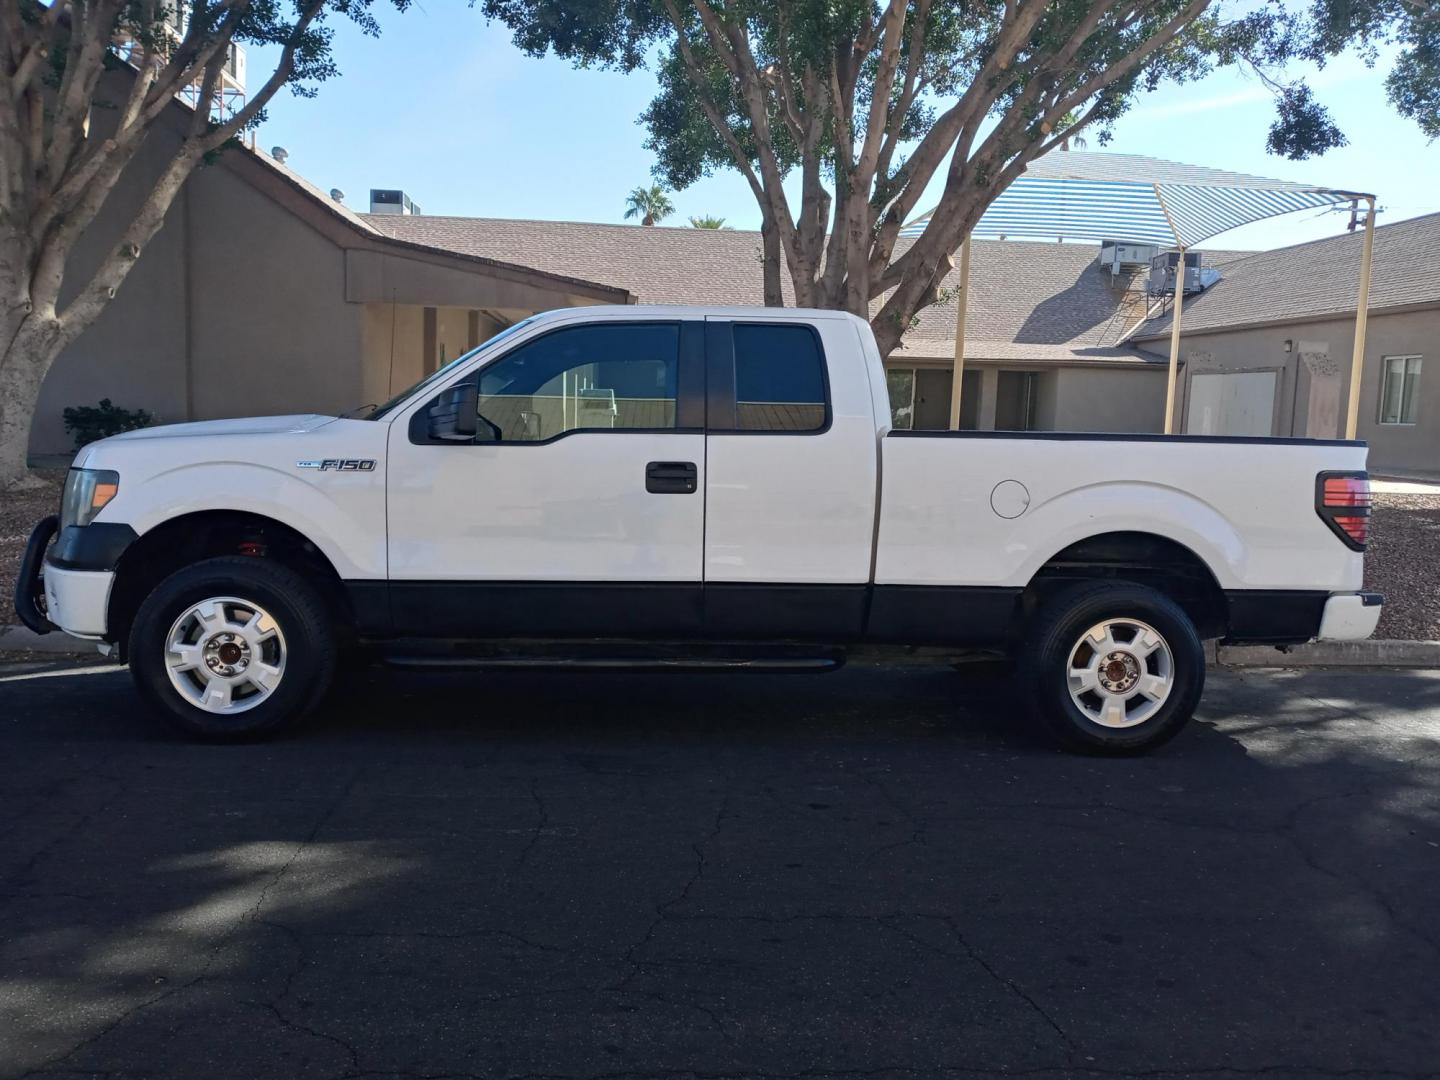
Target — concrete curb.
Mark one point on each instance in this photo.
(22, 639)
(1368, 653)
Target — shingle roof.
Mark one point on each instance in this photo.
(1021, 292)
(1317, 280)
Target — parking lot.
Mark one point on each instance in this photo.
(879, 872)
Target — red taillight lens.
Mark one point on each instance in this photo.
(1343, 501)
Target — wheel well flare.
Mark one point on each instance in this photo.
(185, 540)
(1144, 558)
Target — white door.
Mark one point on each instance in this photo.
(790, 479)
(579, 507)
(1231, 403)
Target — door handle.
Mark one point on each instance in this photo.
(671, 477)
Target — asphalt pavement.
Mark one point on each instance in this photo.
(880, 872)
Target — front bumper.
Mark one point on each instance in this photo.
(1350, 616)
(67, 588)
(76, 601)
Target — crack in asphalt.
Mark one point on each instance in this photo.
(541, 823)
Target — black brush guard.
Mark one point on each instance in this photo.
(30, 586)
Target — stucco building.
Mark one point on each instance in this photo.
(1267, 349)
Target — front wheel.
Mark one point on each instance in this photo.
(1113, 667)
(232, 648)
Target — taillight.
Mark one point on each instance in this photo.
(1342, 499)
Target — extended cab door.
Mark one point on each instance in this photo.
(578, 509)
(790, 478)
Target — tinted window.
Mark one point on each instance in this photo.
(603, 377)
(779, 378)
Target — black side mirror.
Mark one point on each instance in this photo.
(454, 416)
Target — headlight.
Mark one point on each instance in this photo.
(86, 493)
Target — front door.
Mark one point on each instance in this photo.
(578, 510)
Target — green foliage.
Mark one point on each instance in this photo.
(650, 205)
(1412, 26)
(89, 423)
(1303, 127)
(708, 221)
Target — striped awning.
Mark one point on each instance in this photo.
(1072, 195)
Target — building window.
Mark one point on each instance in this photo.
(1399, 389)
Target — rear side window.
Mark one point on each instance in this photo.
(779, 378)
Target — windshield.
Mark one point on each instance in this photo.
(437, 375)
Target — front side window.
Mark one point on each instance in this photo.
(779, 378)
(601, 377)
(1400, 389)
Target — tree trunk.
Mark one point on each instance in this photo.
(770, 258)
(33, 346)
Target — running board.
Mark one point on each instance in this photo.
(631, 658)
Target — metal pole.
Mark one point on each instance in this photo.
(1175, 346)
(962, 301)
(1362, 317)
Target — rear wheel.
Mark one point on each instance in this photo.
(1113, 667)
(232, 648)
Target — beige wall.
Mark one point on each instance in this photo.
(270, 328)
(393, 349)
(1098, 399)
(134, 353)
(236, 307)
(452, 334)
(1404, 449)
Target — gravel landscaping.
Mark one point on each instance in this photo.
(1403, 561)
(19, 511)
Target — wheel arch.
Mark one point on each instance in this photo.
(188, 538)
(1146, 558)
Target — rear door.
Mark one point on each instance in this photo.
(790, 479)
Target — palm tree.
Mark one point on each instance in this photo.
(708, 221)
(650, 205)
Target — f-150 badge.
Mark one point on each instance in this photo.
(339, 464)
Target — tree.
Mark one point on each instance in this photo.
(84, 85)
(650, 204)
(871, 100)
(1413, 84)
(708, 221)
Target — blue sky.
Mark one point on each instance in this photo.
(445, 107)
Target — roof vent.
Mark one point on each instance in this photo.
(391, 201)
(337, 194)
(279, 153)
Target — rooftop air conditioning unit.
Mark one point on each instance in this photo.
(1117, 256)
(235, 66)
(1162, 273)
(391, 201)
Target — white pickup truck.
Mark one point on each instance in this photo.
(682, 487)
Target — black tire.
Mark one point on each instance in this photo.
(1055, 636)
(298, 609)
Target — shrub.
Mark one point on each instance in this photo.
(91, 422)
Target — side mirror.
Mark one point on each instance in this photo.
(454, 416)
